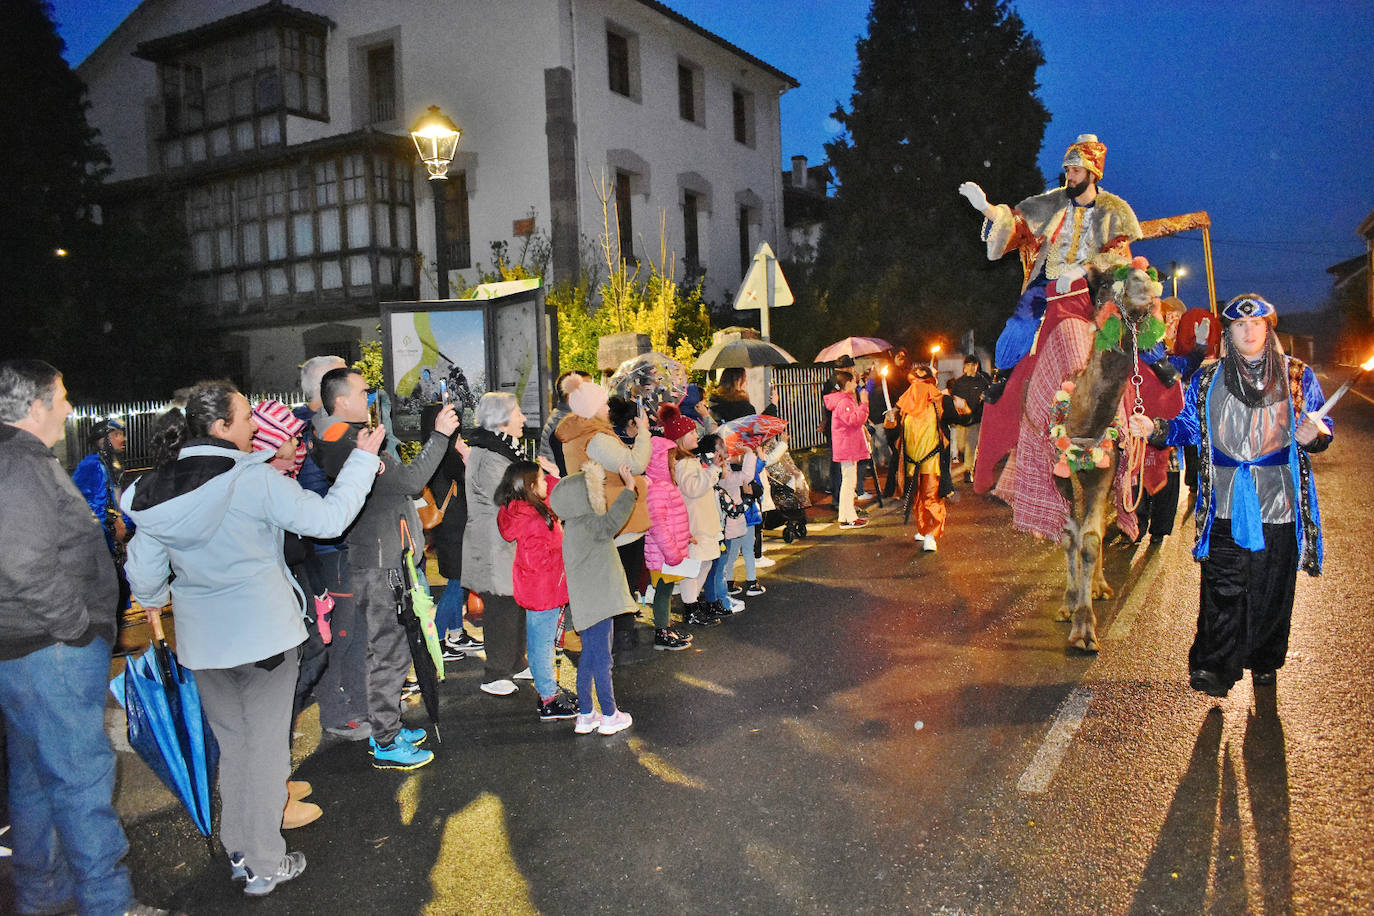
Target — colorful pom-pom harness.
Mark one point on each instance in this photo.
(1069, 455)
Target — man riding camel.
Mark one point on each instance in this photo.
(1059, 235)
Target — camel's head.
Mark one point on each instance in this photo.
(1132, 287)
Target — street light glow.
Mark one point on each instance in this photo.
(60, 252)
(436, 139)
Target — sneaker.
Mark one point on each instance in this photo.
(717, 609)
(465, 642)
(735, 605)
(752, 588)
(665, 639)
(411, 688)
(399, 755)
(292, 864)
(732, 588)
(412, 736)
(927, 543)
(587, 722)
(764, 562)
(857, 523)
(451, 654)
(696, 614)
(237, 870)
(523, 675)
(298, 814)
(501, 688)
(353, 731)
(556, 709)
(616, 723)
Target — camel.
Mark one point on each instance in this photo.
(1089, 437)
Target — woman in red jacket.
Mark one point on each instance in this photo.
(541, 586)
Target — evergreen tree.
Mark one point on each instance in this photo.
(53, 163)
(109, 310)
(945, 91)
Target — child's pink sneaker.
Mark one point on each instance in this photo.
(587, 722)
(616, 723)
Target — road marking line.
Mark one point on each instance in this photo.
(1038, 776)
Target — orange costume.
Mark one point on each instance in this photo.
(922, 441)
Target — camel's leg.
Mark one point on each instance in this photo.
(1096, 489)
(1073, 572)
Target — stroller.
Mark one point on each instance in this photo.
(791, 495)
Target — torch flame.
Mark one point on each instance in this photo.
(884, 371)
(1367, 365)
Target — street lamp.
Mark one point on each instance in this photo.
(1176, 270)
(436, 139)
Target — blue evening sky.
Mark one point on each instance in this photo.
(1261, 114)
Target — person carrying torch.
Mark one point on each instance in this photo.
(1251, 416)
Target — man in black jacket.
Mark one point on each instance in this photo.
(57, 624)
(375, 543)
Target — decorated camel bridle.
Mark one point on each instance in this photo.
(1080, 454)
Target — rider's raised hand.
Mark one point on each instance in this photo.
(975, 196)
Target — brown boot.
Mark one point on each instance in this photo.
(298, 814)
(297, 789)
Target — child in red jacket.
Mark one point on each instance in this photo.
(541, 586)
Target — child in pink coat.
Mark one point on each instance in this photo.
(848, 445)
(669, 536)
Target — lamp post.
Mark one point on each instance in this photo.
(436, 139)
(1176, 270)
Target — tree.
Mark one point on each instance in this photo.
(109, 309)
(53, 163)
(945, 91)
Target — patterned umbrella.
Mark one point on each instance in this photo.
(651, 379)
(853, 347)
(750, 432)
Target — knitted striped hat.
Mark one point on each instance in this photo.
(276, 424)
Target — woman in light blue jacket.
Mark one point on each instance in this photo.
(212, 512)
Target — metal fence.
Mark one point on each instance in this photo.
(797, 390)
(138, 418)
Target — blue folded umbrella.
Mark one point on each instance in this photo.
(167, 727)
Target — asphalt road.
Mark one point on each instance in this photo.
(885, 731)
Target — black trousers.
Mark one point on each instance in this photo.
(1245, 607)
(1156, 512)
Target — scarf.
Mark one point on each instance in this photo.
(1257, 383)
(498, 442)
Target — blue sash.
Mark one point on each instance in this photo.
(1246, 527)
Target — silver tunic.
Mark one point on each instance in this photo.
(1244, 434)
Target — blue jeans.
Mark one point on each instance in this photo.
(715, 582)
(594, 668)
(744, 544)
(67, 841)
(448, 610)
(540, 627)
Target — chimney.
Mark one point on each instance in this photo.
(799, 172)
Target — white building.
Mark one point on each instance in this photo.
(284, 127)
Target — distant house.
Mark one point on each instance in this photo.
(805, 206)
(284, 131)
(1353, 278)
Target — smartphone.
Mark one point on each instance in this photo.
(374, 413)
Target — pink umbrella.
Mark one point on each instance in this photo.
(853, 347)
